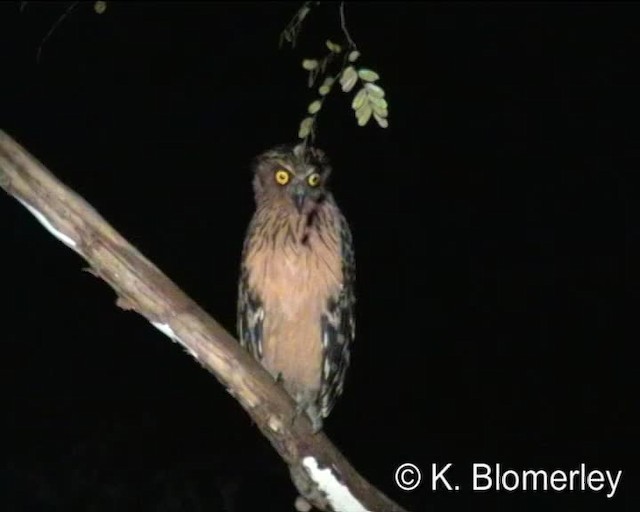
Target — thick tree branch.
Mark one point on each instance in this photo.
(318, 469)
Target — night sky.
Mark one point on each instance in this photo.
(495, 223)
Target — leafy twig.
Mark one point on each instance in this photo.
(369, 99)
(292, 30)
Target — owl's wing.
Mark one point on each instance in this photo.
(338, 327)
(250, 317)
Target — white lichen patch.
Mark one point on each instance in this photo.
(274, 424)
(68, 241)
(337, 494)
(165, 329)
(168, 331)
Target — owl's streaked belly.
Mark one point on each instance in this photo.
(295, 280)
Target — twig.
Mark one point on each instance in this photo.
(343, 24)
(62, 17)
(320, 472)
(292, 30)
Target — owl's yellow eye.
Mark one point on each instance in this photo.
(282, 177)
(313, 180)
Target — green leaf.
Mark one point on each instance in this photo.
(378, 102)
(348, 79)
(382, 122)
(363, 114)
(302, 14)
(305, 127)
(325, 88)
(314, 106)
(353, 56)
(375, 90)
(367, 75)
(309, 64)
(328, 81)
(382, 112)
(335, 48)
(359, 99)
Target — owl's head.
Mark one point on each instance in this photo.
(295, 175)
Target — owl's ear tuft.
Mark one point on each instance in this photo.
(318, 154)
(318, 158)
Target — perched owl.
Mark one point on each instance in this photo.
(296, 297)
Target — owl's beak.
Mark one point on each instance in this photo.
(299, 195)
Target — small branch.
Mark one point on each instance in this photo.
(292, 30)
(320, 472)
(53, 28)
(343, 24)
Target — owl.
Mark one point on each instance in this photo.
(296, 291)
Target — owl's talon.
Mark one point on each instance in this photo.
(309, 407)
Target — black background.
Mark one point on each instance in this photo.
(495, 223)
